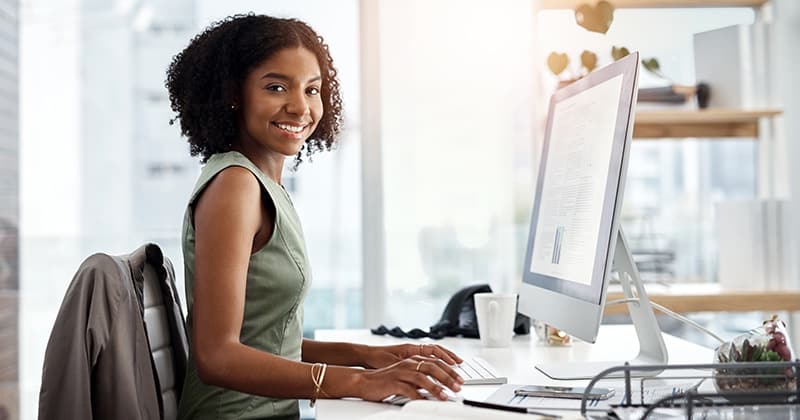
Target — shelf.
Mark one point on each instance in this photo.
(649, 4)
(705, 297)
(706, 123)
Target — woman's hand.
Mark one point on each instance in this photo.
(377, 357)
(407, 376)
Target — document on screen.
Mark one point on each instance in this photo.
(575, 181)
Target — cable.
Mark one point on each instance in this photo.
(677, 316)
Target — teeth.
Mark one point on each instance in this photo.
(290, 128)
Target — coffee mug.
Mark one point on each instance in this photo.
(495, 313)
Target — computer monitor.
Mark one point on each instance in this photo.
(575, 237)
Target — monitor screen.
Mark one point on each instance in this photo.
(579, 188)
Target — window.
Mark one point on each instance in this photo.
(456, 135)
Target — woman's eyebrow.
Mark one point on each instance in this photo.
(287, 78)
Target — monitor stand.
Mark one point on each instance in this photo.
(652, 350)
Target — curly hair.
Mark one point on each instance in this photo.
(207, 77)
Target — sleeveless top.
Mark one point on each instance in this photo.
(277, 280)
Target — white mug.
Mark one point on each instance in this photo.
(495, 313)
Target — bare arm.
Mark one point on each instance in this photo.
(343, 354)
(349, 354)
(229, 217)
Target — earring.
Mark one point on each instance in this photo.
(233, 106)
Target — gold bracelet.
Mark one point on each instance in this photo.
(317, 377)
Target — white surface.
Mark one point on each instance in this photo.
(615, 342)
(754, 250)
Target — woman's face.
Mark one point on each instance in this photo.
(281, 102)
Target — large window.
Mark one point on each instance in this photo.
(456, 134)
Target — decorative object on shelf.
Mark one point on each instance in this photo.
(557, 62)
(676, 94)
(588, 60)
(595, 18)
(651, 64)
(671, 94)
(734, 61)
(767, 343)
(598, 18)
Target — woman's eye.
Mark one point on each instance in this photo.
(313, 91)
(276, 88)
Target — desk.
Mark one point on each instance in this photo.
(711, 297)
(615, 342)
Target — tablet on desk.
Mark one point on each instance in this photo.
(575, 392)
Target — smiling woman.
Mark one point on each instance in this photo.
(282, 101)
(249, 92)
(223, 67)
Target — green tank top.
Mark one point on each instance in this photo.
(277, 280)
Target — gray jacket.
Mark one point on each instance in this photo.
(98, 363)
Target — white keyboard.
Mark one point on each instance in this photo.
(477, 371)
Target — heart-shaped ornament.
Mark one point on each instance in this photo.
(619, 53)
(651, 65)
(557, 62)
(588, 60)
(595, 18)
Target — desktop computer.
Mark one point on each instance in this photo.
(575, 240)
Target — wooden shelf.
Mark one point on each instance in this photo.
(704, 297)
(706, 123)
(650, 4)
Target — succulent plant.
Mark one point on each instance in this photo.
(765, 344)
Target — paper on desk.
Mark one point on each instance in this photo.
(440, 410)
(505, 395)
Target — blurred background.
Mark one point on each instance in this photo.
(431, 187)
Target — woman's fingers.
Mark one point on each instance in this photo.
(420, 380)
(441, 372)
(409, 391)
(433, 372)
(447, 355)
(435, 350)
(411, 375)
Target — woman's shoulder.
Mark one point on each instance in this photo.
(227, 172)
(220, 161)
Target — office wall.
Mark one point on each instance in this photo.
(9, 208)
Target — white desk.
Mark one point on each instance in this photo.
(615, 342)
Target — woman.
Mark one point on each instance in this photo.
(250, 91)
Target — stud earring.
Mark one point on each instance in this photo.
(233, 106)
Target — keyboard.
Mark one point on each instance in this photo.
(477, 371)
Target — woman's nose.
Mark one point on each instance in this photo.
(297, 104)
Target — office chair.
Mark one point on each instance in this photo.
(166, 331)
(118, 348)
